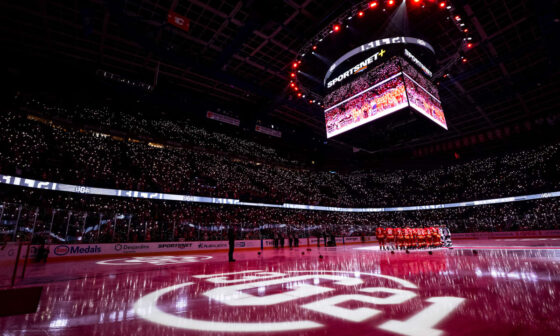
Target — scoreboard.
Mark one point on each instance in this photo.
(390, 79)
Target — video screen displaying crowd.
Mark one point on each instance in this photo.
(39, 141)
(369, 105)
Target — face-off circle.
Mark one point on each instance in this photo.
(156, 260)
(297, 301)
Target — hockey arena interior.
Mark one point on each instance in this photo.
(280, 167)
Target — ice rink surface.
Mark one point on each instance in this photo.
(480, 287)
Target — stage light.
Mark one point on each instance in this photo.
(360, 14)
(292, 84)
(314, 47)
(295, 65)
(469, 45)
(464, 60)
(336, 28)
(466, 30)
(373, 4)
(299, 94)
(293, 74)
(442, 5)
(416, 1)
(391, 2)
(457, 17)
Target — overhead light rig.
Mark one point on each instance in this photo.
(358, 12)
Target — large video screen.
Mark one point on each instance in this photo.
(383, 90)
(423, 95)
(375, 94)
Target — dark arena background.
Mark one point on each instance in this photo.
(280, 167)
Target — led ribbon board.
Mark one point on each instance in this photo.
(372, 45)
(61, 187)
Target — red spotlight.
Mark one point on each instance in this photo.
(469, 45)
(295, 65)
(299, 94)
(464, 60)
(293, 74)
(314, 47)
(336, 28)
(296, 88)
(466, 30)
(310, 101)
(457, 17)
(360, 14)
(416, 1)
(442, 4)
(391, 2)
(373, 4)
(292, 84)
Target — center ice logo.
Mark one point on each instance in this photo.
(334, 290)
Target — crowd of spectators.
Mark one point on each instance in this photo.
(45, 150)
(178, 157)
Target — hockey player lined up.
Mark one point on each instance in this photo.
(390, 237)
(400, 239)
(407, 237)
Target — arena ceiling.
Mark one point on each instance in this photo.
(241, 51)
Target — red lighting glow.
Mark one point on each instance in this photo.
(457, 17)
(466, 30)
(464, 60)
(336, 28)
(314, 47)
(299, 94)
(416, 1)
(295, 65)
(360, 14)
(373, 4)
(391, 2)
(469, 45)
(442, 5)
(292, 84)
(293, 74)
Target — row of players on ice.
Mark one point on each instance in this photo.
(410, 238)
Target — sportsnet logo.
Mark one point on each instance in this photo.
(62, 250)
(175, 245)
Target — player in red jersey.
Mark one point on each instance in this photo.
(437, 236)
(421, 238)
(381, 236)
(433, 236)
(391, 237)
(428, 233)
(400, 238)
(407, 237)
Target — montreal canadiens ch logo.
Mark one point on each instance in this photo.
(61, 250)
(352, 297)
